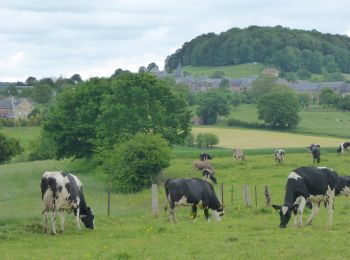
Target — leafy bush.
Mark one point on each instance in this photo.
(207, 139)
(42, 148)
(133, 164)
(9, 147)
(189, 140)
(239, 123)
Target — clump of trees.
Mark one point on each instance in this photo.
(289, 50)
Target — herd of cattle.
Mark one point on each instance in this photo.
(62, 192)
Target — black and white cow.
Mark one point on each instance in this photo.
(343, 146)
(209, 175)
(311, 184)
(205, 156)
(195, 192)
(279, 156)
(316, 152)
(64, 192)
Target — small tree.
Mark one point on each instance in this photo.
(207, 140)
(9, 147)
(132, 165)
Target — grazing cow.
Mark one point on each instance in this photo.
(201, 165)
(63, 192)
(316, 152)
(205, 156)
(343, 146)
(311, 184)
(238, 154)
(195, 192)
(208, 174)
(279, 156)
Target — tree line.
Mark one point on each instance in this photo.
(289, 50)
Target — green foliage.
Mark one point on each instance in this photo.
(218, 74)
(102, 112)
(41, 94)
(142, 103)
(344, 103)
(236, 99)
(328, 97)
(189, 140)
(9, 147)
(42, 148)
(334, 76)
(134, 164)
(207, 140)
(303, 100)
(287, 49)
(262, 85)
(152, 67)
(211, 104)
(279, 109)
(303, 74)
(291, 77)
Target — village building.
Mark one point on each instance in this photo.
(12, 107)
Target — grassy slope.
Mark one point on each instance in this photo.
(236, 71)
(131, 231)
(315, 121)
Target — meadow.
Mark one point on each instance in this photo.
(315, 121)
(131, 232)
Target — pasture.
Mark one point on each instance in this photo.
(314, 121)
(131, 232)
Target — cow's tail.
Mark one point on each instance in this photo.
(166, 188)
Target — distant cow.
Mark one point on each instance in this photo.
(205, 156)
(343, 146)
(64, 192)
(311, 184)
(316, 152)
(279, 156)
(208, 174)
(238, 154)
(195, 192)
(201, 165)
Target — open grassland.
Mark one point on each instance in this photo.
(130, 232)
(315, 121)
(246, 138)
(233, 71)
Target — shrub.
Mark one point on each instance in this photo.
(9, 147)
(207, 139)
(189, 140)
(42, 148)
(132, 165)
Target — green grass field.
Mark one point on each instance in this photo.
(131, 232)
(234, 71)
(315, 121)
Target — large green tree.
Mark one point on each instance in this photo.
(100, 113)
(279, 109)
(211, 104)
(142, 103)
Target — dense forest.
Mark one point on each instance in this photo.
(289, 50)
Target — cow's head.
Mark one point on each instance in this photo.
(339, 149)
(285, 213)
(218, 214)
(207, 173)
(88, 219)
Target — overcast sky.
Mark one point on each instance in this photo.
(49, 38)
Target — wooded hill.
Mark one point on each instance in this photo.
(289, 50)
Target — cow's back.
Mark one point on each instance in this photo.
(193, 189)
(317, 179)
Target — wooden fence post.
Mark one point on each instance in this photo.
(246, 196)
(155, 200)
(267, 196)
(256, 197)
(232, 195)
(222, 194)
(108, 199)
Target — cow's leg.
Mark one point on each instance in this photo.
(53, 222)
(173, 214)
(62, 219)
(315, 209)
(77, 218)
(330, 209)
(300, 211)
(45, 220)
(194, 212)
(206, 213)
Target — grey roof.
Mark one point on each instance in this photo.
(6, 103)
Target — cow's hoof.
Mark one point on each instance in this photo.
(53, 233)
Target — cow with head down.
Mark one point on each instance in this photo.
(63, 192)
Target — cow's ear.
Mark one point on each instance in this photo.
(277, 207)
